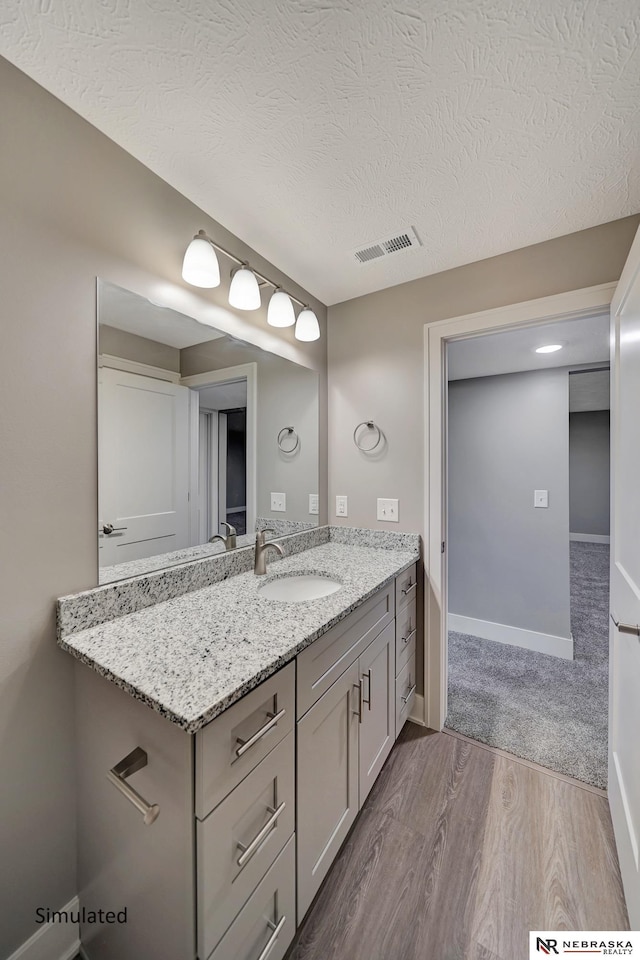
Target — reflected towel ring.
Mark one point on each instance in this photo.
(371, 426)
(288, 431)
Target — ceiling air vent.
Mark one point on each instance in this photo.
(382, 248)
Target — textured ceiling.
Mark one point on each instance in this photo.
(312, 127)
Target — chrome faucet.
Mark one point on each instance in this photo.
(262, 545)
(230, 539)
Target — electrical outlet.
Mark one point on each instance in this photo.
(388, 510)
(541, 498)
(313, 503)
(279, 502)
(341, 507)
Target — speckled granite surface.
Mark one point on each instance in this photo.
(191, 657)
(137, 568)
(92, 607)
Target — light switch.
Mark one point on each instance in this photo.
(279, 502)
(313, 503)
(388, 510)
(341, 507)
(541, 498)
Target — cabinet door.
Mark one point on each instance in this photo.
(327, 750)
(377, 729)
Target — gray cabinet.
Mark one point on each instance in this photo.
(327, 781)
(378, 718)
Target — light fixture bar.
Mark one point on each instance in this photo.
(244, 263)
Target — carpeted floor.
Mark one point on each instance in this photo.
(542, 708)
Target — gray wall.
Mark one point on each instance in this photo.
(376, 360)
(589, 472)
(509, 561)
(129, 346)
(73, 206)
(287, 396)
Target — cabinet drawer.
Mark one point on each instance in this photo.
(329, 656)
(230, 746)
(405, 693)
(267, 918)
(406, 587)
(240, 839)
(405, 635)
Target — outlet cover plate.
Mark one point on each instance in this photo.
(279, 502)
(314, 506)
(541, 498)
(387, 510)
(342, 507)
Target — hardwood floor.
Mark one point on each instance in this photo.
(457, 854)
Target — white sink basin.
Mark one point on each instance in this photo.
(307, 586)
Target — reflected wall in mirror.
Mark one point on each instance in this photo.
(198, 434)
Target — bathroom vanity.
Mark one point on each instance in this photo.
(265, 723)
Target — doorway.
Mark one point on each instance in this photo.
(528, 459)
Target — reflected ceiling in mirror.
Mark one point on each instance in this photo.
(199, 435)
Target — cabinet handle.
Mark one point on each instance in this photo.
(364, 700)
(409, 636)
(358, 687)
(248, 852)
(276, 927)
(409, 588)
(259, 734)
(409, 695)
(133, 762)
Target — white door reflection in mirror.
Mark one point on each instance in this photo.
(144, 476)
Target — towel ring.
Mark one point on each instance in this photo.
(371, 426)
(288, 431)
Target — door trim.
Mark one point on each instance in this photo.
(248, 372)
(572, 304)
(134, 366)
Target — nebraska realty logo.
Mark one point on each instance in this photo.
(583, 943)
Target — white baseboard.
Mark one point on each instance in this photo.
(52, 941)
(516, 636)
(417, 714)
(590, 537)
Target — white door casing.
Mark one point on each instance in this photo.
(143, 484)
(624, 647)
(573, 304)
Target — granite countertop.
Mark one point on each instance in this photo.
(191, 657)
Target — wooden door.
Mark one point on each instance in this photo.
(143, 466)
(327, 798)
(624, 646)
(377, 729)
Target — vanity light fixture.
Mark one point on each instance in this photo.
(549, 348)
(307, 327)
(244, 292)
(280, 312)
(201, 269)
(200, 266)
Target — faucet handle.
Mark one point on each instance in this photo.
(231, 530)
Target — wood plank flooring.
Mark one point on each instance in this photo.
(457, 854)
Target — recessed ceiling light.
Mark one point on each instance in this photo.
(549, 348)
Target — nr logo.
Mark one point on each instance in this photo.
(546, 946)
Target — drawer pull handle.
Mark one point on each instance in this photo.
(133, 762)
(276, 927)
(409, 637)
(408, 588)
(259, 734)
(248, 852)
(359, 687)
(409, 695)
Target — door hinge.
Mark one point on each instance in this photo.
(442, 547)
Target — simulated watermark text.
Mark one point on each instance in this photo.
(81, 915)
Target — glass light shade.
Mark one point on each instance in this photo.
(280, 312)
(200, 266)
(307, 327)
(244, 292)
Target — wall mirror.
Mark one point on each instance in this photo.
(197, 432)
